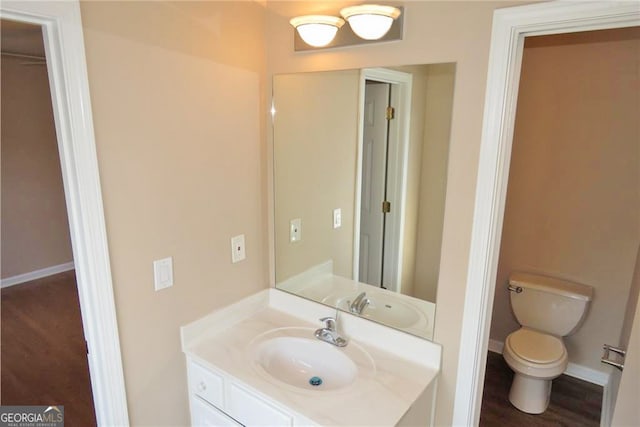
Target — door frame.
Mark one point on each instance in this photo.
(510, 27)
(66, 66)
(397, 161)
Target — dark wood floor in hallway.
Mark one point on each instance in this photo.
(573, 402)
(43, 353)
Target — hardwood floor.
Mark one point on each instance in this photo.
(43, 353)
(573, 402)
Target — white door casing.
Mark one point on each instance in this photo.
(510, 26)
(623, 408)
(66, 65)
(626, 408)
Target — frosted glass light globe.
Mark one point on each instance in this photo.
(370, 22)
(317, 30)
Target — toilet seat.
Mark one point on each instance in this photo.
(535, 354)
(536, 347)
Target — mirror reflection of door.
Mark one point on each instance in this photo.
(374, 182)
(384, 129)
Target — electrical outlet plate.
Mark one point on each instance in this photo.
(237, 248)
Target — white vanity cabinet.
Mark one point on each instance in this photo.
(391, 379)
(218, 400)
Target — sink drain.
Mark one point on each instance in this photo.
(315, 381)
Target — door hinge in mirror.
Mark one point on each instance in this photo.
(391, 113)
(386, 207)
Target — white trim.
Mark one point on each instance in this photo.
(587, 374)
(573, 369)
(36, 274)
(66, 65)
(399, 159)
(510, 26)
(496, 346)
(607, 404)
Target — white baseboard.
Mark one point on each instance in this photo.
(496, 346)
(38, 274)
(587, 374)
(573, 370)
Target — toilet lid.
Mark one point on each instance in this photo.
(535, 346)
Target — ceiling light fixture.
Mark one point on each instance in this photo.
(317, 30)
(370, 21)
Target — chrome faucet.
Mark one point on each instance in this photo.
(359, 303)
(330, 333)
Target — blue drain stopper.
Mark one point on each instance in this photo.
(315, 381)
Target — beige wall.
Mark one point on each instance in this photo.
(316, 131)
(573, 197)
(178, 106)
(433, 178)
(435, 32)
(431, 107)
(419, 74)
(35, 229)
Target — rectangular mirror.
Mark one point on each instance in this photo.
(360, 168)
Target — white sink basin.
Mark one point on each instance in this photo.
(295, 357)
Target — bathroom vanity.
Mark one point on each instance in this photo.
(257, 362)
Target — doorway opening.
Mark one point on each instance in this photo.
(67, 74)
(374, 203)
(383, 139)
(511, 25)
(572, 204)
(44, 352)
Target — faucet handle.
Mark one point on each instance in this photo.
(330, 322)
(359, 303)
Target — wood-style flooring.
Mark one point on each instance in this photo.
(43, 353)
(573, 402)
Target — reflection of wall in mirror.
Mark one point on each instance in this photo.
(431, 165)
(315, 156)
(431, 106)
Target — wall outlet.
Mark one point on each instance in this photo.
(337, 218)
(237, 248)
(295, 230)
(163, 273)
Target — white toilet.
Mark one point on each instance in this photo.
(547, 309)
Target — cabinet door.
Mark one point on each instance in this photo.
(205, 384)
(251, 410)
(203, 414)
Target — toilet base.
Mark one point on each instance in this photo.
(530, 395)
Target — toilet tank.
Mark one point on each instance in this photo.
(547, 304)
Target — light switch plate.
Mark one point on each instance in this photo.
(237, 248)
(163, 273)
(295, 230)
(337, 218)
